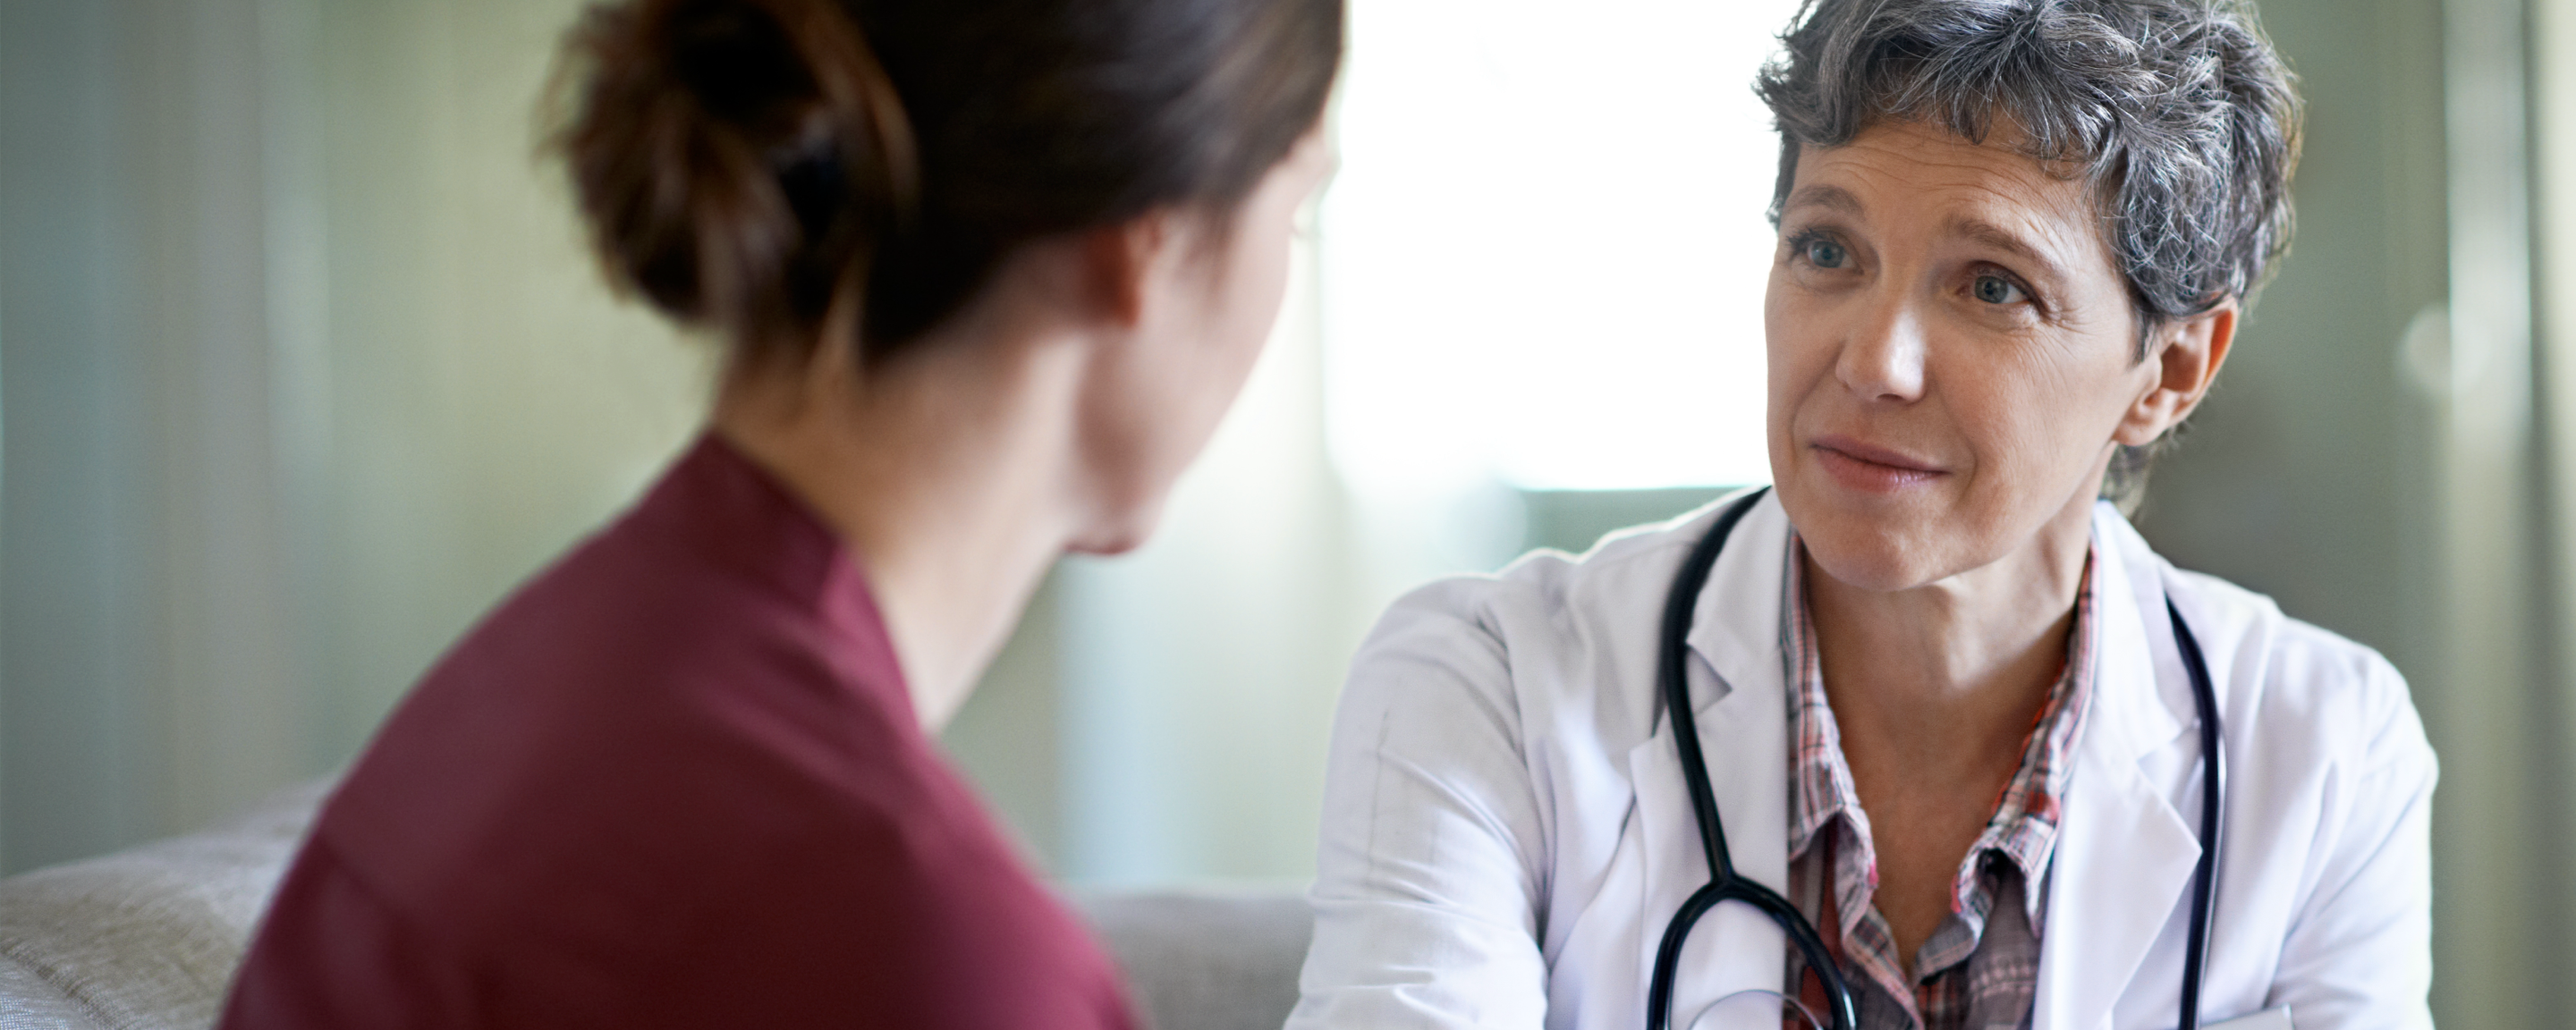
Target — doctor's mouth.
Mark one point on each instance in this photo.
(1862, 466)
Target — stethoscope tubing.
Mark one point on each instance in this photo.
(2204, 878)
(1725, 884)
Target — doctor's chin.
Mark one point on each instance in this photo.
(1288, 514)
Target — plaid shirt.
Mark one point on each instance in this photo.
(1980, 968)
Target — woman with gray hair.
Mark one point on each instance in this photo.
(1925, 735)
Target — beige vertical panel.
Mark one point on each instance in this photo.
(229, 690)
(2554, 199)
(2487, 825)
(77, 613)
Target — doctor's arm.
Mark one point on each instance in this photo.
(2359, 953)
(1430, 860)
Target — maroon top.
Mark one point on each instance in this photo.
(676, 781)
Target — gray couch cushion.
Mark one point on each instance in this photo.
(1207, 961)
(27, 1002)
(147, 939)
(144, 939)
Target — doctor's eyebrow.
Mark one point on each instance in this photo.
(1991, 235)
(1831, 198)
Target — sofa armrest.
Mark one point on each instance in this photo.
(144, 939)
(28, 1002)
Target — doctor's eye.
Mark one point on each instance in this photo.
(1819, 250)
(1995, 289)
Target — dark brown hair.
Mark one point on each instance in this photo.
(745, 164)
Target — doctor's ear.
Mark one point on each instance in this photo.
(2184, 356)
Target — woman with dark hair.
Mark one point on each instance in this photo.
(986, 275)
(1926, 735)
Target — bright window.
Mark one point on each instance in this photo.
(1544, 256)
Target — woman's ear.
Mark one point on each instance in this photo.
(2186, 355)
(1120, 263)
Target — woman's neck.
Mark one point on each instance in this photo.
(946, 473)
(1943, 679)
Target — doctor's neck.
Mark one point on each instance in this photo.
(1964, 658)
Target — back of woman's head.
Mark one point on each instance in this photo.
(746, 165)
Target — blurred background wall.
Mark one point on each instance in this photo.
(302, 366)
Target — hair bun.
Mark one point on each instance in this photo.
(748, 166)
(737, 160)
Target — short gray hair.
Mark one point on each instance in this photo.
(2177, 112)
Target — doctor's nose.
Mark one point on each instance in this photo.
(1882, 358)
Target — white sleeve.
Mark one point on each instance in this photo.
(2359, 953)
(1431, 857)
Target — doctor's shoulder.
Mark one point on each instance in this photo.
(1546, 597)
(1541, 634)
(2287, 682)
(2330, 784)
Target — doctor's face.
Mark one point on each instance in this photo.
(1951, 353)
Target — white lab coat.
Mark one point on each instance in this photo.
(1506, 832)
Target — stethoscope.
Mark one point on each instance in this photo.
(1725, 884)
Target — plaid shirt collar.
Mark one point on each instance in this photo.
(2023, 829)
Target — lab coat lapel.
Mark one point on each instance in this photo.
(1740, 703)
(2124, 855)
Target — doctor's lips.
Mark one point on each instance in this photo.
(1863, 467)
